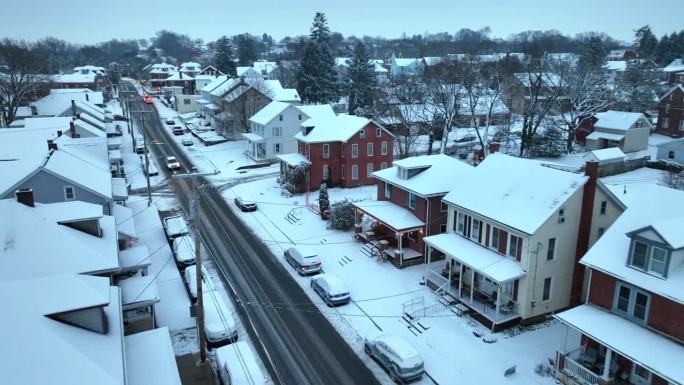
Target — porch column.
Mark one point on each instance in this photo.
(451, 267)
(498, 300)
(401, 253)
(460, 280)
(472, 284)
(606, 364)
(429, 259)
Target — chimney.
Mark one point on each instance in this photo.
(34, 111)
(59, 133)
(494, 147)
(87, 97)
(25, 196)
(72, 129)
(180, 75)
(586, 214)
(51, 145)
(73, 107)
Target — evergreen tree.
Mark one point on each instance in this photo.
(323, 200)
(638, 87)
(593, 55)
(224, 58)
(362, 85)
(645, 43)
(342, 217)
(317, 78)
(551, 143)
(247, 49)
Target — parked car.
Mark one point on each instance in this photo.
(170, 122)
(119, 117)
(245, 205)
(187, 141)
(303, 260)
(140, 147)
(402, 361)
(331, 289)
(190, 278)
(219, 325)
(466, 138)
(237, 365)
(175, 226)
(184, 251)
(147, 99)
(151, 170)
(172, 163)
(178, 130)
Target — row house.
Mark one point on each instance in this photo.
(513, 238)
(621, 55)
(409, 207)
(92, 81)
(260, 69)
(190, 69)
(674, 72)
(273, 128)
(627, 130)
(630, 330)
(671, 112)
(405, 67)
(343, 150)
(160, 70)
(521, 87)
(342, 68)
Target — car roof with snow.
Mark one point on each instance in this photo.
(241, 363)
(217, 316)
(184, 248)
(404, 350)
(332, 283)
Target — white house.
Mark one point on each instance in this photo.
(273, 128)
(260, 69)
(627, 130)
(405, 66)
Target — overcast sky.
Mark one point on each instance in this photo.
(88, 21)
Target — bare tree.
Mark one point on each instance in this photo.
(444, 95)
(17, 76)
(243, 102)
(403, 107)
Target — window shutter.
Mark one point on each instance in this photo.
(503, 239)
(518, 251)
(487, 235)
(515, 289)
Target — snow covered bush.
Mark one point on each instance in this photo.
(323, 200)
(295, 178)
(342, 217)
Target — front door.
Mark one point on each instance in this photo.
(261, 150)
(640, 375)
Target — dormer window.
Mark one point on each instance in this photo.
(649, 258)
(402, 173)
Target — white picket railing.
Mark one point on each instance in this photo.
(579, 372)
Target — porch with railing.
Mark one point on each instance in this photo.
(571, 369)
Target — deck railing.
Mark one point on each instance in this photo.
(575, 370)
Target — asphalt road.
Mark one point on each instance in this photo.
(297, 343)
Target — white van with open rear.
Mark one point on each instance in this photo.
(304, 261)
(237, 365)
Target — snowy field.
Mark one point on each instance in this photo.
(452, 353)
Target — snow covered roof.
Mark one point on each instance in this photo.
(124, 221)
(150, 359)
(405, 62)
(441, 173)
(138, 291)
(134, 258)
(615, 65)
(215, 83)
(412, 113)
(606, 155)
(94, 97)
(477, 257)
(629, 340)
(677, 87)
(252, 136)
(605, 135)
(293, 159)
(618, 120)
(240, 355)
(655, 206)
(179, 76)
(74, 78)
(65, 354)
(333, 129)
(548, 78)
(482, 105)
(89, 176)
(317, 111)
(269, 112)
(190, 65)
(65, 212)
(677, 65)
(263, 65)
(391, 214)
(519, 193)
(57, 102)
(52, 122)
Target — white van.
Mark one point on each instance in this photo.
(175, 226)
(139, 145)
(219, 325)
(303, 260)
(237, 365)
(184, 251)
(190, 277)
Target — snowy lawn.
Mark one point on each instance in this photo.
(452, 353)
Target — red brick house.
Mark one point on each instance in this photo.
(631, 328)
(343, 150)
(674, 72)
(671, 112)
(409, 205)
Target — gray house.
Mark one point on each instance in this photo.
(672, 150)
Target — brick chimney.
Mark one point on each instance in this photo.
(586, 214)
(87, 97)
(73, 107)
(72, 129)
(25, 196)
(51, 145)
(59, 133)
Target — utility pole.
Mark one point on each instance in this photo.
(147, 159)
(195, 212)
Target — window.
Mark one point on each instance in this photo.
(643, 373)
(666, 123)
(657, 263)
(667, 108)
(362, 134)
(494, 239)
(383, 147)
(515, 247)
(277, 131)
(388, 190)
(326, 172)
(601, 230)
(355, 150)
(280, 118)
(378, 132)
(69, 193)
(276, 148)
(639, 252)
(445, 207)
(299, 116)
(343, 149)
(631, 302)
(546, 294)
(681, 124)
(551, 249)
(326, 151)
(369, 169)
(561, 216)
(383, 165)
(342, 176)
(355, 172)
(475, 230)
(186, 101)
(460, 222)
(443, 228)
(412, 199)
(369, 149)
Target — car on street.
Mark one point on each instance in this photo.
(219, 324)
(172, 163)
(151, 170)
(402, 361)
(170, 122)
(304, 261)
(147, 99)
(190, 278)
(245, 205)
(237, 365)
(175, 226)
(184, 251)
(466, 138)
(186, 141)
(331, 289)
(178, 130)
(140, 146)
